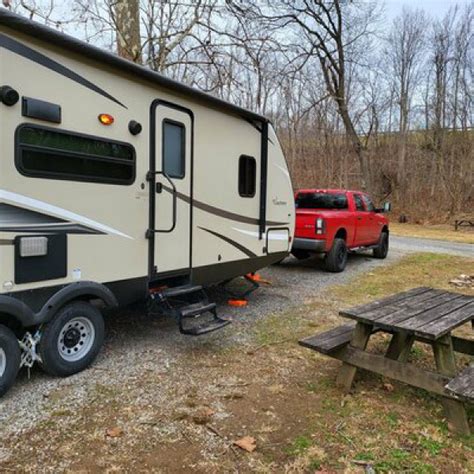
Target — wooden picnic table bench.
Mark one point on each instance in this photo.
(423, 314)
(465, 222)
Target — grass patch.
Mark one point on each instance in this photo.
(439, 232)
(420, 269)
(299, 446)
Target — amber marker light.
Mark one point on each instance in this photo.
(106, 119)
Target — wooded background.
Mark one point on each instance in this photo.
(358, 100)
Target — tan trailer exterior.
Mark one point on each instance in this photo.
(181, 187)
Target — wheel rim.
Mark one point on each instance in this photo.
(341, 255)
(3, 362)
(76, 339)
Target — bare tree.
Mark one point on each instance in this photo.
(405, 51)
(126, 14)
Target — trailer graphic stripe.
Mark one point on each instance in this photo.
(73, 223)
(220, 212)
(243, 249)
(32, 55)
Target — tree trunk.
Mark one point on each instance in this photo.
(127, 21)
(357, 144)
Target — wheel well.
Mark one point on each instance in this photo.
(11, 323)
(341, 234)
(385, 229)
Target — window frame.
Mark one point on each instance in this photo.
(361, 201)
(368, 203)
(70, 177)
(250, 196)
(183, 146)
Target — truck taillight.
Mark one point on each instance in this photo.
(320, 226)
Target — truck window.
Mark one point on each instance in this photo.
(358, 202)
(43, 152)
(368, 203)
(335, 201)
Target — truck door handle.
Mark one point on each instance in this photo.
(359, 218)
(159, 188)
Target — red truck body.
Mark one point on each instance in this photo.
(324, 215)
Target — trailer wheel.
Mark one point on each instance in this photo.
(336, 258)
(381, 250)
(10, 357)
(72, 339)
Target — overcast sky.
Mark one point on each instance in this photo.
(433, 7)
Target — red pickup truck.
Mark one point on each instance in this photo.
(335, 221)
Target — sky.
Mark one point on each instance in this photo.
(434, 7)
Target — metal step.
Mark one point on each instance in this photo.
(205, 328)
(197, 308)
(180, 291)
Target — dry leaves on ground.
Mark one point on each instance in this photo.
(247, 443)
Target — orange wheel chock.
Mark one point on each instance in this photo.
(237, 303)
(257, 278)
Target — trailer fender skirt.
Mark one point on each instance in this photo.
(19, 311)
(82, 289)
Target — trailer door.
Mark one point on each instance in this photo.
(170, 180)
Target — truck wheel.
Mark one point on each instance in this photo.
(381, 250)
(10, 357)
(336, 258)
(72, 339)
(300, 254)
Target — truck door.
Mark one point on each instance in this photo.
(170, 179)
(362, 222)
(374, 227)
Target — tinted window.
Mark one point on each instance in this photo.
(358, 202)
(337, 201)
(57, 154)
(174, 136)
(368, 203)
(247, 176)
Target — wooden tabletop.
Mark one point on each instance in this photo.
(424, 312)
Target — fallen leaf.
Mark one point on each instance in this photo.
(247, 443)
(388, 387)
(115, 432)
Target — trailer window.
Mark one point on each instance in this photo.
(56, 154)
(174, 149)
(247, 176)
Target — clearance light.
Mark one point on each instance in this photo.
(106, 119)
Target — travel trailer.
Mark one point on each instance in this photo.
(117, 183)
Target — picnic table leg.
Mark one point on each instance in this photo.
(454, 410)
(347, 372)
(400, 346)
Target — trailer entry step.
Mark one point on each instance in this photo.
(180, 291)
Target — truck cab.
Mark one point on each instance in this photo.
(334, 222)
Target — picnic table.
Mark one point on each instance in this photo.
(421, 314)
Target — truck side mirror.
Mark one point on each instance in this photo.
(387, 207)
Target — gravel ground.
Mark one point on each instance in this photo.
(136, 344)
(415, 244)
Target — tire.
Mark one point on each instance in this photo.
(10, 357)
(381, 250)
(300, 254)
(71, 341)
(336, 258)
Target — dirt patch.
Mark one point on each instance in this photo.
(176, 409)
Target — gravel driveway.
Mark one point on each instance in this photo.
(136, 343)
(415, 244)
